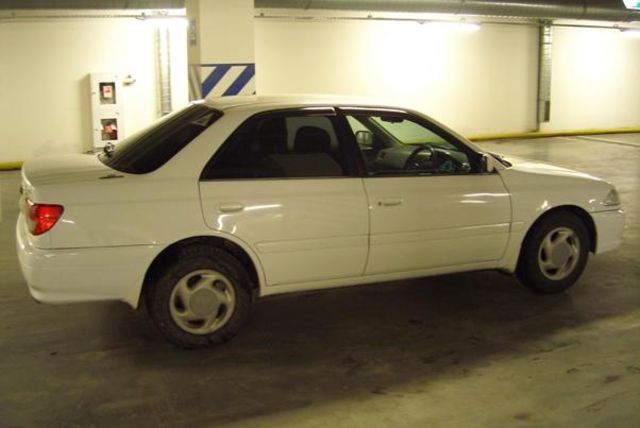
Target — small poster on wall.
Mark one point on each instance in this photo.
(107, 119)
(109, 129)
(107, 93)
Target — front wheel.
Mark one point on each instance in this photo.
(554, 253)
(201, 299)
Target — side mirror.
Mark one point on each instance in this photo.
(487, 163)
(364, 139)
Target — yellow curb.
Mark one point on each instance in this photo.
(520, 135)
(9, 166)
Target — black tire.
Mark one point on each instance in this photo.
(212, 273)
(559, 237)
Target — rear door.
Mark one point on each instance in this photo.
(283, 183)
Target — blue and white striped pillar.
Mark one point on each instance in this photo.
(221, 80)
(221, 48)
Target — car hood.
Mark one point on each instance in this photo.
(71, 168)
(534, 167)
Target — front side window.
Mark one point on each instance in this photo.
(280, 145)
(397, 144)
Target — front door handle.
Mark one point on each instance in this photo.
(389, 202)
(231, 208)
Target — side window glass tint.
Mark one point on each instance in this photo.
(398, 145)
(280, 146)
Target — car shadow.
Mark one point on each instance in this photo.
(104, 361)
(307, 349)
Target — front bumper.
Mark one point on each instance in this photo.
(83, 274)
(609, 229)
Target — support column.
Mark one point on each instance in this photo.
(545, 62)
(221, 48)
(163, 69)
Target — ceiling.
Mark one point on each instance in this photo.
(605, 10)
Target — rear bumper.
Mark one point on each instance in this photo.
(609, 230)
(85, 274)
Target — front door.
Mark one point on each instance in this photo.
(430, 205)
(436, 222)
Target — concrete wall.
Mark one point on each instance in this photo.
(595, 81)
(479, 82)
(44, 88)
(482, 82)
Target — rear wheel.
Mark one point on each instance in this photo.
(201, 299)
(554, 254)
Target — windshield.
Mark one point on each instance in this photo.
(397, 132)
(149, 149)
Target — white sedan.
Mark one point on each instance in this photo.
(237, 198)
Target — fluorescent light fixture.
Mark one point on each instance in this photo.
(632, 4)
(162, 19)
(631, 32)
(446, 26)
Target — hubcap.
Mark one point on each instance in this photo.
(559, 253)
(202, 301)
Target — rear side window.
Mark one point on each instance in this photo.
(152, 147)
(281, 145)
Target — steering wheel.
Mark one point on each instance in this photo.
(414, 161)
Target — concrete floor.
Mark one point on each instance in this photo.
(462, 350)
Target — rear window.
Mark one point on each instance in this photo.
(152, 147)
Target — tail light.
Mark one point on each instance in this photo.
(42, 217)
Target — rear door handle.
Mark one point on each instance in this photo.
(231, 208)
(389, 202)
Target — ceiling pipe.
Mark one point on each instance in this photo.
(596, 10)
(90, 4)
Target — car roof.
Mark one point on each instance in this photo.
(261, 103)
(270, 102)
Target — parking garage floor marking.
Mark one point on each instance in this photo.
(604, 140)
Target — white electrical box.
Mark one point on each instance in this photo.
(106, 109)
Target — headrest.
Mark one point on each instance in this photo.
(311, 139)
(272, 135)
